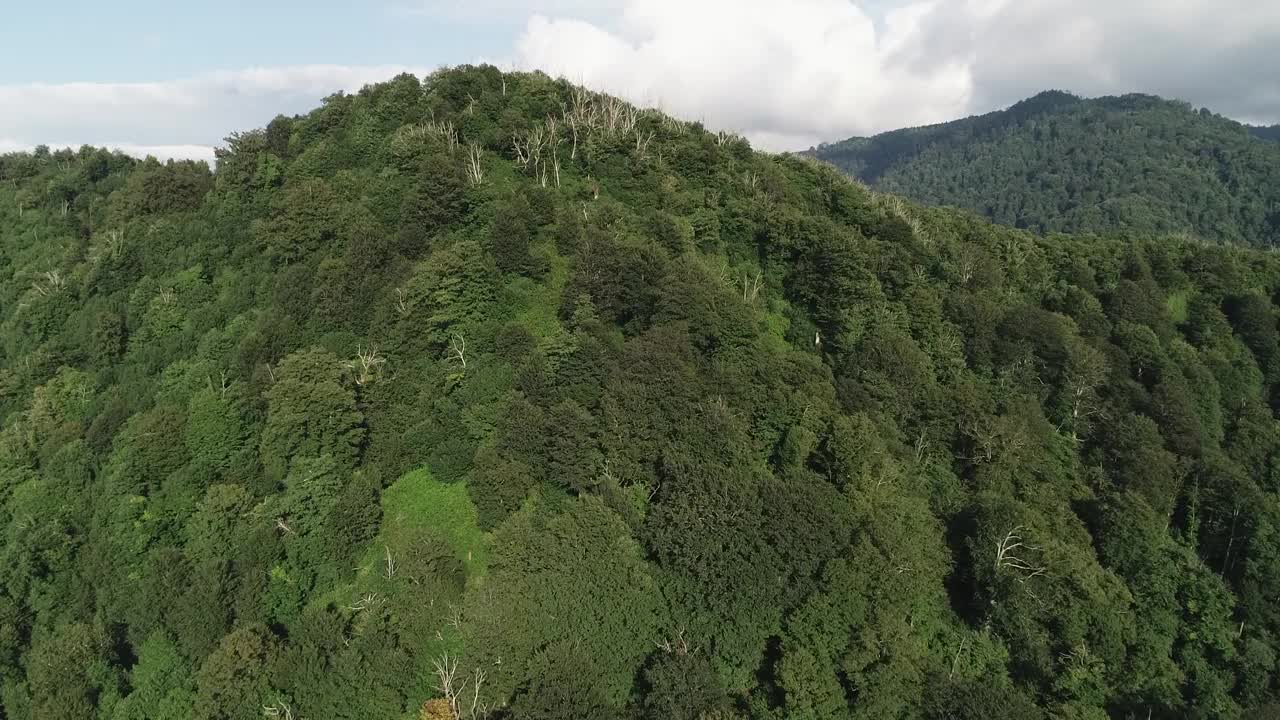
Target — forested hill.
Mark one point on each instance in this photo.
(486, 396)
(1270, 132)
(1060, 163)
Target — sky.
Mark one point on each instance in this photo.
(174, 78)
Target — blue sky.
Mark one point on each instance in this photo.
(174, 78)
(148, 40)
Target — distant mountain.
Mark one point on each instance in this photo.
(1057, 162)
(1268, 132)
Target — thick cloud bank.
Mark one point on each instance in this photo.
(789, 73)
(786, 73)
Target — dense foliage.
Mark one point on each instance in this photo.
(486, 396)
(1059, 163)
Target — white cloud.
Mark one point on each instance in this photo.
(183, 118)
(788, 74)
(785, 75)
(1219, 53)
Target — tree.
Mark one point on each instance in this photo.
(1138, 461)
(234, 681)
(72, 673)
(305, 219)
(510, 237)
(310, 412)
(217, 433)
(436, 201)
(573, 584)
(162, 681)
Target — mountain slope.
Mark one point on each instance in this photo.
(488, 396)
(1059, 163)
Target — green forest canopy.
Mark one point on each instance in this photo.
(489, 396)
(1060, 163)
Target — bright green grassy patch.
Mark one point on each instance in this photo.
(418, 500)
(1176, 304)
(541, 299)
(775, 324)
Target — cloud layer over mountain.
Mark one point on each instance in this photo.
(791, 73)
(786, 73)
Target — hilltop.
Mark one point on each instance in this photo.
(487, 395)
(1061, 163)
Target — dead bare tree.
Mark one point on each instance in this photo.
(520, 147)
(50, 282)
(643, 141)
(677, 646)
(1006, 559)
(455, 617)
(726, 138)
(1085, 371)
(572, 120)
(367, 365)
(429, 129)
(446, 669)
(391, 563)
(453, 688)
(458, 350)
(106, 246)
(477, 709)
(956, 660)
(751, 287)
(920, 445)
(402, 302)
(278, 710)
(475, 170)
(993, 438)
(224, 384)
(1231, 541)
(365, 602)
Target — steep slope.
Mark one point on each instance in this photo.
(1059, 163)
(488, 396)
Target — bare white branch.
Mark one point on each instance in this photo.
(475, 170)
(367, 365)
(458, 350)
(1006, 559)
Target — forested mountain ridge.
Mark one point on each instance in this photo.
(488, 396)
(1060, 163)
(1267, 132)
